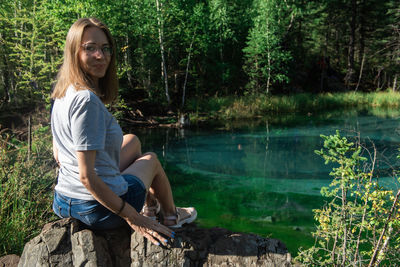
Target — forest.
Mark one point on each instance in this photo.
(229, 59)
(172, 51)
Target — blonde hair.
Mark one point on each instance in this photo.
(71, 72)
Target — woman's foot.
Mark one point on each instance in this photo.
(151, 211)
(182, 216)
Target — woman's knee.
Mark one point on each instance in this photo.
(130, 151)
(151, 155)
(132, 140)
(153, 158)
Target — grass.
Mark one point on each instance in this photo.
(26, 189)
(251, 106)
(26, 185)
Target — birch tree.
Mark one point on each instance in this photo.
(160, 22)
(265, 58)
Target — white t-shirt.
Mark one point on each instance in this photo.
(80, 122)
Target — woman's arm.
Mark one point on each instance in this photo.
(104, 195)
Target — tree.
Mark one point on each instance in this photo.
(360, 223)
(349, 79)
(160, 22)
(6, 83)
(265, 58)
(30, 44)
(393, 46)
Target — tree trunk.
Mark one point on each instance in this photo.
(344, 218)
(32, 50)
(127, 59)
(337, 46)
(377, 80)
(349, 79)
(361, 71)
(362, 34)
(161, 41)
(384, 246)
(29, 137)
(186, 73)
(17, 72)
(4, 74)
(377, 248)
(394, 83)
(143, 74)
(268, 56)
(364, 213)
(384, 79)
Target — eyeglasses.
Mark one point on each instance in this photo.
(92, 48)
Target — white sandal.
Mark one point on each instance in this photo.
(181, 218)
(151, 211)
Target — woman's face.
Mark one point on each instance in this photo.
(94, 53)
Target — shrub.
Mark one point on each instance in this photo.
(25, 192)
(360, 224)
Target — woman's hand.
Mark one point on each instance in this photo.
(147, 227)
(102, 193)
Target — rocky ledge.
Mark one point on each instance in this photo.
(68, 243)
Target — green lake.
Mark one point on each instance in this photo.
(263, 176)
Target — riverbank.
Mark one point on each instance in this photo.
(260, 105)
(26, 184)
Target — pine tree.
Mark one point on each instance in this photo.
(32, 53)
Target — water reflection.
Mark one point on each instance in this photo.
(271, 151)
(263, 176)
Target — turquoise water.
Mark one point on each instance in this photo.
(263, 176)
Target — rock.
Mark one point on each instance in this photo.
(67, 243)
(9, 261)
(297, 228)
(52, 247)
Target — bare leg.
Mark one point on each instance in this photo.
(149, 170)
(131, 150)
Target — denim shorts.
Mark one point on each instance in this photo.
(95, 215)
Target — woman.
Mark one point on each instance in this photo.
(103, 177)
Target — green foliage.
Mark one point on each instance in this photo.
(31, 47)
(323, 29)
(265, 58)
(233, 47)
(360, 223)
(259, 105)
(25, 191)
